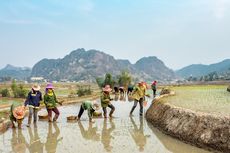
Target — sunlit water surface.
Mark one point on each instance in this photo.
(121, 134)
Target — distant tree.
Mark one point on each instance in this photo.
(124, 79)
(201, 78)
(109, 80)
(100, 82)
(18, 91)
(84, 90)
(211, 76)
(13, 86)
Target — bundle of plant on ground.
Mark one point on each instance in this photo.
(165, 91)
(84, 90)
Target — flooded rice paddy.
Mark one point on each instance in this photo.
(121, 134)
(204, 98)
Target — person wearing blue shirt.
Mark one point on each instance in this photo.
(33, 101)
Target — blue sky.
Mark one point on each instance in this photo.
(178, 32)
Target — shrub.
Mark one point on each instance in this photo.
(18, 91)
(82, 91)
(5, 93)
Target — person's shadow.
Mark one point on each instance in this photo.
(35, 143)
(90, 133)
(138, 134)
(106, 135)
(52, 138)
(18, 141)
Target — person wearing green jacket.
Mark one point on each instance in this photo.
(50, 101)
(105, 101)
(91, 107)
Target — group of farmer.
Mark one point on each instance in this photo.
(34, 98)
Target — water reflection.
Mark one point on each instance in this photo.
(35, 143)
(120, 96)
(52, 138)
(137, 133)
(90, 133)
(18, 141)
(123, 97)
(116, 97)
(131, 134)
(106, 134)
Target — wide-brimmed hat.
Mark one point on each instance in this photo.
(107, 88)
(95, 105)
(141, 83)
(145, 84)
(36, 87)
(19, 112)
(49, 86)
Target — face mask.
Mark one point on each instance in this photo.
(50, 91)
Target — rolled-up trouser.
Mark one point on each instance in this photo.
(32, 112)
(135, 105)
(56, 111)
(111, 112)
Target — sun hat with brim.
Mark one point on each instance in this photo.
(19, 112)
(49, 86)
(107, 88)
(36, 87)
(140, 83)
(96, 106)
(145, 84)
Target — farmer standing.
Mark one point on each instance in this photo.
(33, 101)
(154, 88)
(50, 101)
(138, 96)
(105, 101)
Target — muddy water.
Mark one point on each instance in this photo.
(121, 134)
